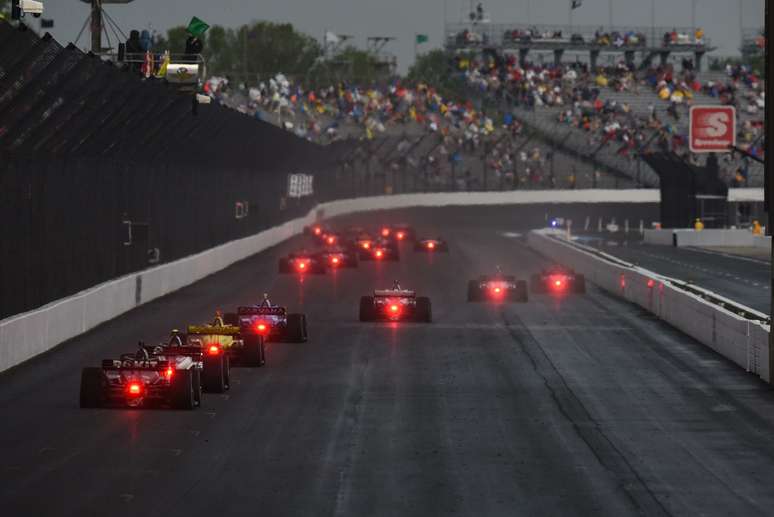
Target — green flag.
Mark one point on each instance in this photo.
(421, 38)
(197, 27)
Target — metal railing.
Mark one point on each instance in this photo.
(465, 35)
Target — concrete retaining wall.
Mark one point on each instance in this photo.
(743, 341)
(703, 238)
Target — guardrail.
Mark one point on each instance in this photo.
(738, 333)
(462, 35)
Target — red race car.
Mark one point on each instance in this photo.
(302, 262)
(497, 287)
(431, 245)
(558, 280)
(395, 304)
(381, 249)
(337, 257)
(141, 379)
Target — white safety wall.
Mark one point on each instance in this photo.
(740, 340)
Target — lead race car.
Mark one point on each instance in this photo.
(497, 287)
(396, 304)
(272, 322)
(558, 279)
(141, 379)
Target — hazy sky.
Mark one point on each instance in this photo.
(405, 18)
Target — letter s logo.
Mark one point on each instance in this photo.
(715, 125)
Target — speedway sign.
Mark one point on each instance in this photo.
(712, 129)
(300, 185)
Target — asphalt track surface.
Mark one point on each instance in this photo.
(742, 279)
(582, 405)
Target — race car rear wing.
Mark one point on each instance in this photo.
(261, 311)
(213, 330)
(387, 293)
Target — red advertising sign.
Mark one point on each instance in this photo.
(712, 129)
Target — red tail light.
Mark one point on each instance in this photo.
(260, 328)
(401, 235)
(379, 253)
(497, 290)
(301, 265)
(169, 372)
(431, 245)
(331, 240)
(651, 283)
(317, 230)
(134, 388)
(394, 308)
(385, 232)
(366, 245)
(213, 350)
(335, 260)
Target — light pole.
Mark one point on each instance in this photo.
(693, 16)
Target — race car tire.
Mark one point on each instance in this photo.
(197, 386)
(296, 328)
(536, 284)
(519, 293)
(227, 371)
(367, 308)
(424, 312)
(231, 318)
(284, 266)
(182, 390)
(91, 387)
(474, 293)
(253, 354)
(213, 378)
(579, 285)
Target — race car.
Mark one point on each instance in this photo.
(558, 280)
(225, 335)
(316, 230)
(272, 322)
(395, 304)
(363, 241)
(331, 239)
(339, 257)
(302, 262)
(210, 358)
(497, 287)
(381, 249)
(141, 380)
(431, 245)
(403, 232)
